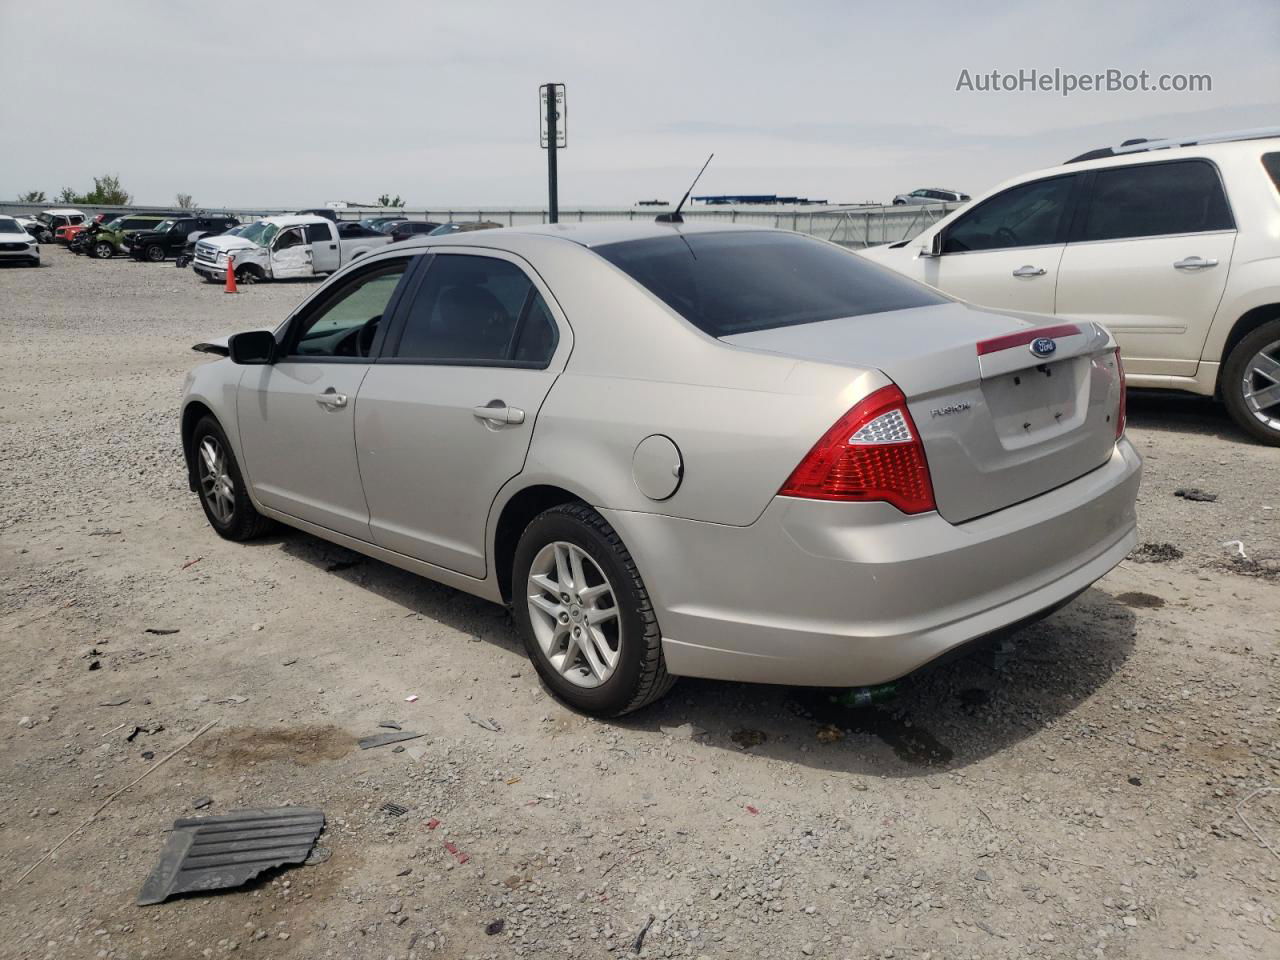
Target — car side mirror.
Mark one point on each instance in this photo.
(255, 348)
(934, 247)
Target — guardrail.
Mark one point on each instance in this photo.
(855, 226)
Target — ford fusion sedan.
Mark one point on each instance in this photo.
(678, 450)
(16, 245)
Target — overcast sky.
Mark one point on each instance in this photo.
(299, 103)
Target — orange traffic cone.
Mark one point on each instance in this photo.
(231, 275)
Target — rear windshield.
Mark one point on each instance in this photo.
(728, 283)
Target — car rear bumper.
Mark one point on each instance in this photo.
(837, 594)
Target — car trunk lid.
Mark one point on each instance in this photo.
(1000, 423)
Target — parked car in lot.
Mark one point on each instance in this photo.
(51, 220)
(113, 237)
(1173, 244)
(280, 248)
(16, 245)
(382, 224)
(679, 449)
(930, 195)
(170, 237)
(465, 227)
(189, 251)
(409, 229)
(82, 242)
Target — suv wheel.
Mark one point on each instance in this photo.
(1251, 383)
(103, 250)
(585, 615)
(221, 486)
(155, 253)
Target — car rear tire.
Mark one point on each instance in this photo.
(1253, 366)
(221, 486)
(585, 615)
(155, 253)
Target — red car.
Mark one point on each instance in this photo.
(67, 232)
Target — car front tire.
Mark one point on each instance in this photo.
(155, 253)
(220, 485)
(1252, 367)
(585, 615)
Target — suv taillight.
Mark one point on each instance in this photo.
(1122, 411)
(872, 453)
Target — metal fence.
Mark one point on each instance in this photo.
(857, 226)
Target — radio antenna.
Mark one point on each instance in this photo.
(674, 215)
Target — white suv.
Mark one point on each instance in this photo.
(1172, 244)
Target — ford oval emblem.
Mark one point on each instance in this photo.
(1043, 346)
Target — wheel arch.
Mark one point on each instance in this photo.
(513, 517)
(192, 413)
(1248, 322)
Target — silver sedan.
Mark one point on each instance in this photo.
(679, 451)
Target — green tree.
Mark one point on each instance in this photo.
(107, 190)
(386, 200)
(68, 196)
(32, 196)
(185, 201)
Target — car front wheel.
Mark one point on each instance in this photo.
(1251, 383)
(585, 615)
(103, 250)
(155, 253)
(221, 486)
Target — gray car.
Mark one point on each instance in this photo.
(679, 450)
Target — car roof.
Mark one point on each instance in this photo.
(589, 234)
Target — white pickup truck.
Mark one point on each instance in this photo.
(281, 247)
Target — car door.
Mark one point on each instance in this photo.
(325, 257)
(1005, 252)
(291, 254)
(1148, 258)
(445, 417)
(296, 415)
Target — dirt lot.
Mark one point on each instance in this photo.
(1075, 796)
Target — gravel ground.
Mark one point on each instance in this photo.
(1073, 793)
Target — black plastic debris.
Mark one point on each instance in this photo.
(382, 739)
(161, 631)
(1196, 494)
(213, 853)
(495, 927)
(395, 809)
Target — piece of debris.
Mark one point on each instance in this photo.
(432, 823)
(289, 663)
(161, 631)
(830, 733)
(686, 731)
(382, 739)
(398, 748)
(212, 853)
(148, 755)
(411, 698)
(95, 664)
(191, 563)
(149, 728)
(338, 565)
(104, 532)
(1196, 494)
(119, 702)
(986, 928)
(26, 723)
(199, 803)
(1237, 547)
(982, 876)
(1155, 553)
(752, 810)
(233, 699)
(1135, 781)
(389, 724)
(405, 872)
(395, 809)
(639, 943)
(513, 781)
(258, 627)
(485, 724)
(457, 854)
(747, 739)
(495, 927)
(318, 856)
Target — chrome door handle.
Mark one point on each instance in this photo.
(331, 399)
(1030, 271)
(1195, 263)
(497, 412)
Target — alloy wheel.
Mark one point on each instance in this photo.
(216, 486)
(574, 614)
(1260, 386)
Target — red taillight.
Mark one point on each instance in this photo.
(872, 453)
(1122, 412)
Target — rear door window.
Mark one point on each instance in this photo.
(736, 282)
(1028, 215)
(1153, 200)
(319, 233)
(1271, 163)
(472, 309)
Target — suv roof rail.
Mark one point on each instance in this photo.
(1141, 145)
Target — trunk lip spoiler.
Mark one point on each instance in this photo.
(1019, 338)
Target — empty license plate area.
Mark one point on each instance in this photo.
(1038, 402)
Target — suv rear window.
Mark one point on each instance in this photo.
(1271, 163)
(729, 283)
(1153, 200)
